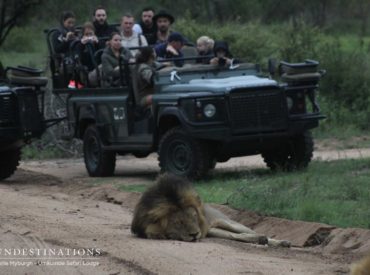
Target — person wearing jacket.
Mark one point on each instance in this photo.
(223, 57)
(113, 59)
(65, 34)
(62, 40)
(172, 48)
(205, 49)
(147, 26)
(102, 29)
(145, 71)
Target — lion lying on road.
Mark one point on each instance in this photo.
(171, 209)
(362, 267)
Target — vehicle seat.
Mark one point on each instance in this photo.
(305, 73)
(189, 51)
(95, 75)
(26, 76)
(56, 61)
(134, 78)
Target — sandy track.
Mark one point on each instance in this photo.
(52, 205)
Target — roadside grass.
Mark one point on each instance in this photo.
(133, 188)
(340, 129)
(340, 137)
(336, 192)
(36, 151)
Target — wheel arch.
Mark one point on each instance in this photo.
(86, 116)
(168, 118)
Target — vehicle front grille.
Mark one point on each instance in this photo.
(258, 111)
(8, 110)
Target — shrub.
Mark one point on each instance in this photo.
(20, 40)
(298, 41)
(250, 42)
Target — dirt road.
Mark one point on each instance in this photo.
(56, 220)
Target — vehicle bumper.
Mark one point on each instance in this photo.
(295, 126)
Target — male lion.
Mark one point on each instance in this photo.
(171, 209)
(362, 267)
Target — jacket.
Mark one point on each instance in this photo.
(161, 51)
(110, 66)
(144, 83)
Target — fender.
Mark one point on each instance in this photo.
(171, 111)
(84, 113)
(175, 117)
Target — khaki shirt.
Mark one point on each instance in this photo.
(145, 85)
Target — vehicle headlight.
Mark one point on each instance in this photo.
(209, 110)
(289, 102)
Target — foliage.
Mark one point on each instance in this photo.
(19, 41)
(37, 150)
(348, 79)
(299, 41)
(11, 12)
(247, 41)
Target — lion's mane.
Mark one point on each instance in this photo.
(170, 194)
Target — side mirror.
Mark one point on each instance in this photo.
(272, 66)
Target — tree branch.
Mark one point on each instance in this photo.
(10, 13)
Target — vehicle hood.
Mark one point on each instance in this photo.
(218, 85)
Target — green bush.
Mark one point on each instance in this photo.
(20, 40)
(298, 41)
(250, 42)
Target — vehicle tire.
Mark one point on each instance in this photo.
(98, 162)
(294, 156)
(183, 155)
(9, 161)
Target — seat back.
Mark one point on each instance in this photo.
(25, 76)
(190, 51)
(134, 80)
(95, 77)
(55, 60)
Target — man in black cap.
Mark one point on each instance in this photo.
(163, 20)
(172, 48)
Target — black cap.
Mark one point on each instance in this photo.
(175, 36)
(165, 14)
(222, 45)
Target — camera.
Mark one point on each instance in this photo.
(221, 62)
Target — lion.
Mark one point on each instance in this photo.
(171, 209)
(362, 267)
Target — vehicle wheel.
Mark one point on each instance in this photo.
(183, 155)
(98, 162)
(9, 161)
(295, 155)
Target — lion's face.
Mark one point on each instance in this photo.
(184, 225)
